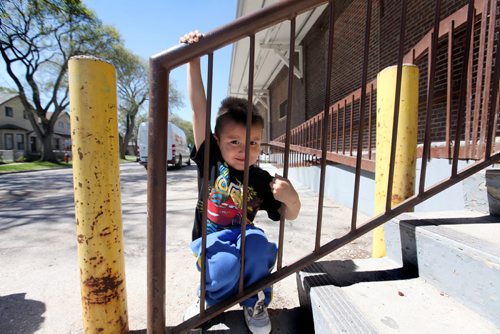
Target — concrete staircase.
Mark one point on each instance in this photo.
(441, 275)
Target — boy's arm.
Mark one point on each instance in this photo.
(284, 192)
(196, 91)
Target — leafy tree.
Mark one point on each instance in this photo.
(186, 126)
(37, 38)
(133, 92)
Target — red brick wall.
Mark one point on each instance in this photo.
(347, 60)
(278, 94)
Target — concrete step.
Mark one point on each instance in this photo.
(457, 252)
(378, 296)
(441, 274)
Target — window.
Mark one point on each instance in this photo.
(60, 124)
(25, 114)
(58, 144)
(20, 141)
(283, 108)
(9, 112)
(9, 141)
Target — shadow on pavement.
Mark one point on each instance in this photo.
(284, 321)
(20, 315)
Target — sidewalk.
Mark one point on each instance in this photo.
(39, 281)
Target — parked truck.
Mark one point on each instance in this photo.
(177, 146)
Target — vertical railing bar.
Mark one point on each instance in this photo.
(157, 198)
(361, 115)
(399, 73)
(251, 63)
(449, 88)
(493, 102)
(328, 81)
(343, 126)
(487, 80)
(479, 88)
(370, 112)
(468, 140)
(430, 97)
(291, 62)
(206, 170)
(337, 129)
(495, 120)
(463, 82)
(352, 126)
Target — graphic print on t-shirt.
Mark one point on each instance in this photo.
(225, 202)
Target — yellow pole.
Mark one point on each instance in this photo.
(406, 148)
(96, 179)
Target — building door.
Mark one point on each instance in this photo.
(33, 145)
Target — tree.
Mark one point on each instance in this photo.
(37, 38)
(132, 88)
(133, 92)
(186, 126)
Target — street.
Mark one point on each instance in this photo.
(39, 279)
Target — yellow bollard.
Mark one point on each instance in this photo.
(406, 148)
(96, 179)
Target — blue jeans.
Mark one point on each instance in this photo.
(223, 263)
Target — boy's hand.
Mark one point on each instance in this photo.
(191, 37)
(284, 192)
(281, 188)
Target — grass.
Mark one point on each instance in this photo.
(35, 165)
(40, 165)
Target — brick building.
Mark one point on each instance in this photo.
(311, 48)
(348, 50)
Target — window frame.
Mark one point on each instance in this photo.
(6, 141)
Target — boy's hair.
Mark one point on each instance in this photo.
(234, 109)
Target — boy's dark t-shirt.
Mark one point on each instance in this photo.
(225, 193)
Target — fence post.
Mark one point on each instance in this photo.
(406, 148)
(96, 182)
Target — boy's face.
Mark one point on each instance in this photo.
(232, 144)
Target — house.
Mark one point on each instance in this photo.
(270, 86)
(17, 137)
(61, 140)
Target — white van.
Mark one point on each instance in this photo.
(177, 147)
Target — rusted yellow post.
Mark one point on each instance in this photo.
(96, 178)
(406, 149)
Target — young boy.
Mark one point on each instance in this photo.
(224, 217)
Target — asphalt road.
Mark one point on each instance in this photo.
(39, 275)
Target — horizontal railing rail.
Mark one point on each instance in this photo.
(320, 141)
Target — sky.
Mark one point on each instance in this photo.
(151, 26)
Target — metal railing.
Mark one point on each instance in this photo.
(331, 142)
(343, 115)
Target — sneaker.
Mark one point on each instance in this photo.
(257, 318)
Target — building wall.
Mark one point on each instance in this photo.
(20, 138)
(18, 113)
(278, 92)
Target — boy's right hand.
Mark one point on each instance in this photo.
(191, 37)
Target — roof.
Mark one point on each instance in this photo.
(5, 97)
(12, 127)
(271, 48)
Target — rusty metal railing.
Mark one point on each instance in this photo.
(297, 144)
(343, 114)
